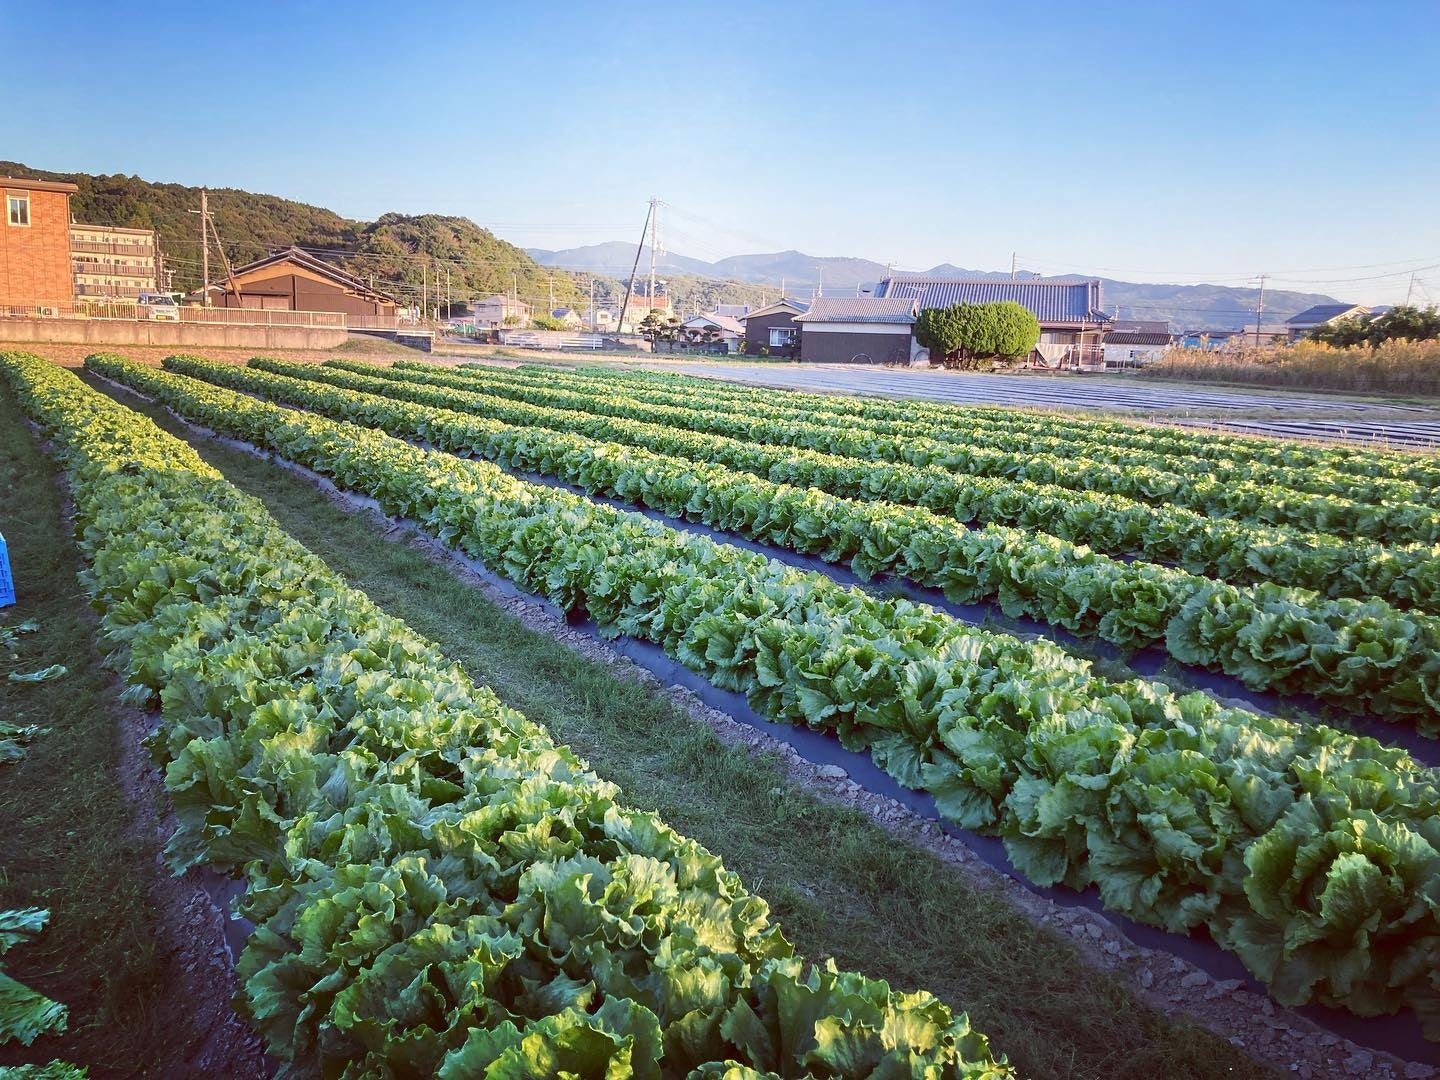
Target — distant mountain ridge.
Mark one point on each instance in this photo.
(1186, 307)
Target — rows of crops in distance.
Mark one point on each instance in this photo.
(437, 887)
(977, 431)
(1356, 654)
(1239, 552)
(1259, 502)
(1160, 439)
(1307, 851)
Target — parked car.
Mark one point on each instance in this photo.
(158, 306)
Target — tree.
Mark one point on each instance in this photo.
(656, 327)
(1344, 333)
(938, 330)
(1404, 321)
(651, 326)
(548, 322)
(1007, 330)
(964, 333)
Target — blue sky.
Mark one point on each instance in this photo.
(1145, 141)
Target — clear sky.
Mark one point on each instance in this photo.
(1145, 141)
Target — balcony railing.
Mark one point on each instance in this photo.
(108, 269)
(99, 248)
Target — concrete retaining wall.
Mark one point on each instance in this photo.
(145, 332)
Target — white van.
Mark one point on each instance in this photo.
(160, 306)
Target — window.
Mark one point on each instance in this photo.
(781, 336)
(19, 209)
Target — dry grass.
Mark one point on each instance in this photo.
(1397, 367)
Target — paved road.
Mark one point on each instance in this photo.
(1366, 422)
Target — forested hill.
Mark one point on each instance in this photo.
(385, 252)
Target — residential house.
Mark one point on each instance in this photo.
(858, 330)
(1268, 334)
(734, 311)
(1131, 342)
(1312, 318)
(500, 311)
(113, 263)
(602, 319)
(35, 267)
(295, 280)
(773, 331)
(714, 327)
(569, 316)
(1071, 313)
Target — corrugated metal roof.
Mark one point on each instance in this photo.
(859, 309)
(1322, 313)
(1051, 301)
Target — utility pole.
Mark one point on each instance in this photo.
(449, 295)
(594, 313)
(550, 278)
(654, 244)
(1259, 307)
(205, 245)
(1012, 266)
(820, 284)
(1410, 289)
(425, 288)
(630, 288)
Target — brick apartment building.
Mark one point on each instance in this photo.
(35, 266)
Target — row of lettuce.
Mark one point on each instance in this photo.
(1216, 445)
(1143, 479)
(1313, 854)
(1358, 654)
(972, 430)
(1236, 551)
(437, 888)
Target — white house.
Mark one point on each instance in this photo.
(1131, 342)
(715, 327)
(500, 310)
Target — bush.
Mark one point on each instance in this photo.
(963, 334)
(548, 322)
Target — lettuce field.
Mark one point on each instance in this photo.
(966, 595)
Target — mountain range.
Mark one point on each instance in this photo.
(1185, 307)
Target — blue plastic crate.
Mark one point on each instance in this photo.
(7, 583)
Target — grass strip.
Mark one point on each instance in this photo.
(70, 843)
